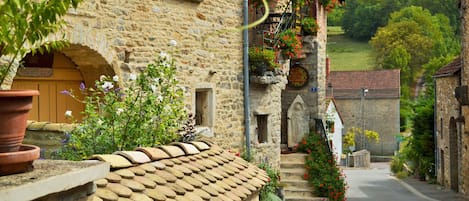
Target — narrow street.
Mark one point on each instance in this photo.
(376, 183)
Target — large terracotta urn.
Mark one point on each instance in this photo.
(14, 107)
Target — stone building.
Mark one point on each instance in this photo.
(122, 37)
(369, 100)
(448, 142)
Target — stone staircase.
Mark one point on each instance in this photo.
(291, 172)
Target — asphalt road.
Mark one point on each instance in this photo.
(376, 184)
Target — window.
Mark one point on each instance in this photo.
(204, 107)
(330, 126)
(262, 128)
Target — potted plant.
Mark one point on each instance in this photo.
(25, 26)
(289, 43)
(309, 26)
(261, 60)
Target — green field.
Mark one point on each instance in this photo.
(347, 54)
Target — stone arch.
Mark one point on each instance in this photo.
(91, 51)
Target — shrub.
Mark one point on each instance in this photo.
(309, 26)
(268, 192)
(322, 171)
(147, 112)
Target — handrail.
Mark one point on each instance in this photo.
(322, 131)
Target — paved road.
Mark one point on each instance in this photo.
(376, 184)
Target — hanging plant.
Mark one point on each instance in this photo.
(289, 43)
(309, 26)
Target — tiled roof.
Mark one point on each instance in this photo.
(180, 171)
(380, 84)
(450, 69)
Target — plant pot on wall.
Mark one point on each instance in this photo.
(14, 108)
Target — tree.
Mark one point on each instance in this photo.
(362, 18)
(411, 39)
(25, 26)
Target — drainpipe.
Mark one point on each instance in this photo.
(247, 120)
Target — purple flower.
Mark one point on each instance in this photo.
(66, 92)
(82, 86)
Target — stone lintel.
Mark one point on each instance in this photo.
(50, 177)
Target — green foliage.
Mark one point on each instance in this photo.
(309, 26)
(261, 56)
(147, 112)
(397, 164)
(289, 43)
(322, 171)
(350, 137)
(268, 192)
(24, 27)
(412, 38)
(334, 18)
(422, 140)
(362, 18)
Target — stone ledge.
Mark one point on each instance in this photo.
(48, 126)
(265, 79)
(49, 177)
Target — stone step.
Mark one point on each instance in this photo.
(298, 192)
(305, 199)
(295, 183)
(292, 157)
(292, 174)
(291, 164)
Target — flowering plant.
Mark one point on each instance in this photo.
(321, 169)
(262, 57)
(147, 112)
(309, 26)
(289, 43)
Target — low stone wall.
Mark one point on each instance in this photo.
(360, 159)
(48, 136)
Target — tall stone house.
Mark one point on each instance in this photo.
(122, 37)
(447, 117)
(369, 100)
(452, 132)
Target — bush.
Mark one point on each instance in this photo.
(322, 171)
(268, 192)
(147, 112)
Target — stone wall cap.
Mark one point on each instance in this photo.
(50, 176)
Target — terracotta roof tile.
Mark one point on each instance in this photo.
(203, 194)
(172, 151)
(154, 153)
(140, 197)
(189, 171)
(450, 69)
(106, 194)
(380, 84)
(134, 156)
(116, 161)
(113, 177)
(119, 189)
(190, 149)
(155, 194)
(201, 145)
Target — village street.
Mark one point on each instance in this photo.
(375, 184)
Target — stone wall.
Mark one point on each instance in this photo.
(447, 108)
(381, 115)
(127, 35)
(464, 187)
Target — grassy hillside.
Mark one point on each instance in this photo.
(347, 54)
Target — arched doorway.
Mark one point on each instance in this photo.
(453, 154)
(51, 73)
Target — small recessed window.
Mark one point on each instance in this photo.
(262, 128)
(203, 107)
(330, 126)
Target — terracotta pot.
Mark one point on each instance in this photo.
(19, 161)
(14, 108)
